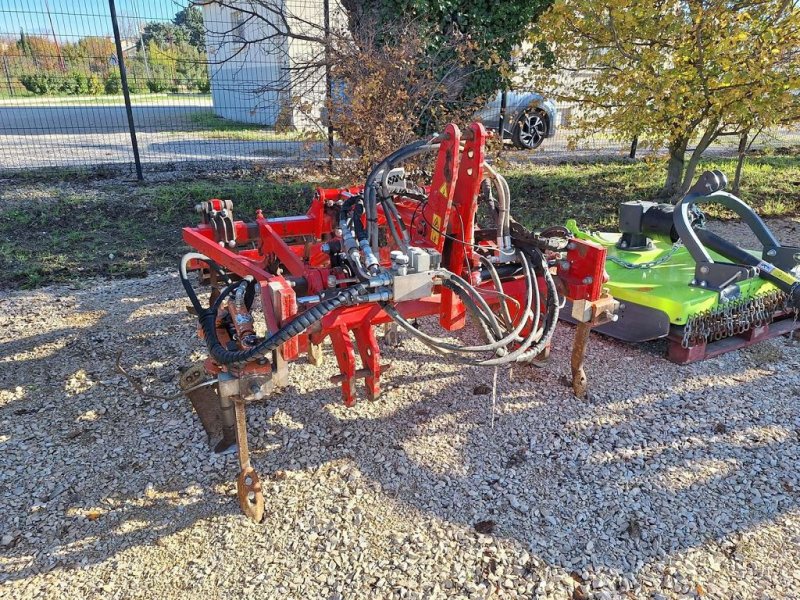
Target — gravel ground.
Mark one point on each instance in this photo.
(669, 482)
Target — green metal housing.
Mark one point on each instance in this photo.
(663, 287)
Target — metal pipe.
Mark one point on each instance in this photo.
(125, 91)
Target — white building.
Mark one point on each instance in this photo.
(255, 69)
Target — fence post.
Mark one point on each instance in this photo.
(326, 7)
(125, 91)
(501, 124)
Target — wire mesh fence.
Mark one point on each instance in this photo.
(208, 82)
(199, 89)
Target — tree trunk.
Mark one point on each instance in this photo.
(677, 153)
(740, 163)
(709, 136)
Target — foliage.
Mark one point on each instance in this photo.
(186, 28)
(91, 54)
(113, 84)
(191, 20)
(389, 93)
(494, 28)
(71, 83)
(672, 72)
(39, 83)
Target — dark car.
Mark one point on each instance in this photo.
(530, 118)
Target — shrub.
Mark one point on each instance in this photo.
(94, 85)
(157, 86)
(113, 84)
(74, 83)
(39, 83)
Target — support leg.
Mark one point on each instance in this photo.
(345, 356)
(370, 359)
(579, 381)
(248, 485)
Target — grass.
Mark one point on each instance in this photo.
(591, 193)
(213, 126)
(62, 230)
(29, 99)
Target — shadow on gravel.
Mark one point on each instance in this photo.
(654, 464)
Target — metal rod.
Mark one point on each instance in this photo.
(502, 122)
(328, 83)
(125, 91)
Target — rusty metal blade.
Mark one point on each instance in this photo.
(205, 401)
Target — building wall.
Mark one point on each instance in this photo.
(246, 79)
(262, 82)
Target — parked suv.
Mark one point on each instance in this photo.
(530, 118)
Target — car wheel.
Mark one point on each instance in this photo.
(530, 129)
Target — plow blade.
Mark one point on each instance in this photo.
(205, 401)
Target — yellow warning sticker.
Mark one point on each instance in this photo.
(443, 189)
(784, 276)
(436, 227)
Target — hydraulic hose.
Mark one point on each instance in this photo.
(187, 285)
(370, 193)
(526, 315)
(208, 321)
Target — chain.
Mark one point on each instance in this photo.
(651, 264)
(734, 318)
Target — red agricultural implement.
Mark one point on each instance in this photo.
(390, 252)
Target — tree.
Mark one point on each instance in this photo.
(494, 28)
(190, 19)
(675, 73)
(164, 34)
(491, 29)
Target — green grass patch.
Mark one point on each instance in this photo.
(62, 230)
(212, 126)
(591, 192)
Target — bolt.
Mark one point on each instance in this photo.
(772, 252)
(563, 265)
(571, 246)
(587, 280)
(704, 270)
(703, 284)
(623, 244)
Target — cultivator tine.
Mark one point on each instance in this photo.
(580, 383)
(248, 485)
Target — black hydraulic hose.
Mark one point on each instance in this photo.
(551, 318)
(358, 226)
(473, 309)
(296, 326)
(779, 278)
(370, 193)
(187, 285)
(398, 240)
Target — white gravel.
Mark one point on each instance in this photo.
(669, 482)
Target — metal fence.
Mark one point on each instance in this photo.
(152, 83)
(82, 86)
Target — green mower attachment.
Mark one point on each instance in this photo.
(674, 278)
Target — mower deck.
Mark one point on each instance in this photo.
(656, 301)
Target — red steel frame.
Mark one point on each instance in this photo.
(296, 243)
